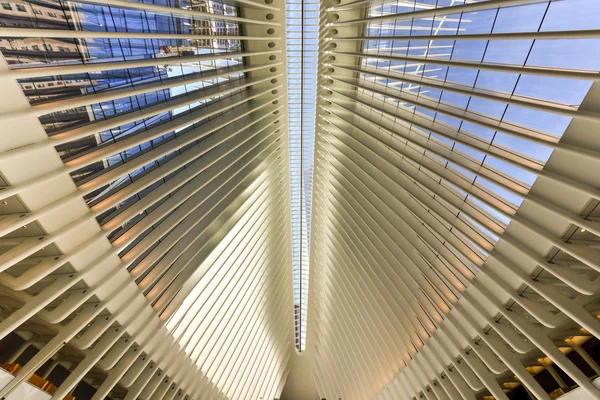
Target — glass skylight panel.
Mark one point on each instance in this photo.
(386, 77)
(302, 46)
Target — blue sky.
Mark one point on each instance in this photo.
(576, 54)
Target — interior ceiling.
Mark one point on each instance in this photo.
(344, 199)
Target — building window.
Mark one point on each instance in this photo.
(35, 47)
(21, 8)
(36, 11)
(40, 85)
(27, 87)
(6, 6)
(52, 15)
(47, 47)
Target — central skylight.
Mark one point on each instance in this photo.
(302, 44)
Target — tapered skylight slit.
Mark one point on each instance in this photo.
(302, 32)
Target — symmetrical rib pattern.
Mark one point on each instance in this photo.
(455, 191)
(164, 235)
(145, 248)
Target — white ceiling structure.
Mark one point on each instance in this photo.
(270, 199)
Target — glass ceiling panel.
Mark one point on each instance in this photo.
(302, 45)
(432, 81)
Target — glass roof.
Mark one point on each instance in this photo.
(382, 70)
(302, 46)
